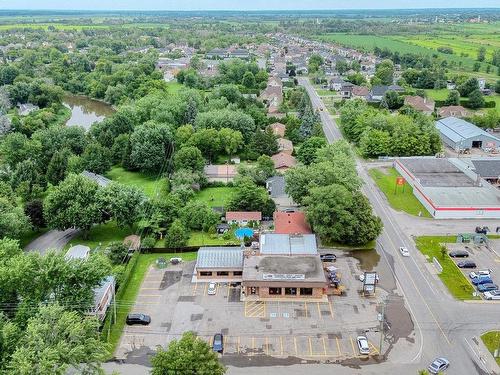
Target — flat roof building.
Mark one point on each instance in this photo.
(219, 263)
(287, 244)
(291, 223)
(462, 135)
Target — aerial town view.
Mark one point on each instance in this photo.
(211, 187)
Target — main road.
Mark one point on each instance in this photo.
(444, 326)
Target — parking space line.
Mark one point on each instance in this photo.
(205, 290)
(149, 288)
(324, 345)
(319, 311)
(228, 290)
(353, 350)
(253, 346)
(267, 346)
(373, 348)
(305, 306)
(238, 346)
(281, 346)
(338, 346)
(331, 308)
(210, 341)
(310, 347)
(295, 344)
(149, 295)
(225, 341)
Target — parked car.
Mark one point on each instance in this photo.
(138, 319)
(475, 274)
(458, 254)
(488, 287)
(218, 343)
(492, 295)
(363, 345)
(466, 264)
(175, 260)
(328, 257)
(482, 280)
(404, 251)
(438, 365)
(211, 289)
(483, 230)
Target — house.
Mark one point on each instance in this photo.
(453, 111)
(276, 188)
(359, 92)
(346, 90)
(239, 53)
(283, 161)
(482, 83)
(291, 223)
(450, 85)
(462, 135)
(285, 145)
(222, 228)
(219, 263)
(378, 92)
(220, 172)
(278, 129)
(424, 105)
(336, 83)
(217, 53)
(78, 252)
(103, 296)
(272, 95)
(101, 180)
(243, 217)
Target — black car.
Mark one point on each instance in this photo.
(458, 254)
(328, 257)
(138, 319)
(466, 264)
(218, 344)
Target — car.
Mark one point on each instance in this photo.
(363, 345)
(458, 254)
(488, 287)
(175, 260)
(138, 319)
(404, 251)
(492, 295)
(466, 264)
(211, 291)
(482, 280)
(438, 365)
(218, 343)
(328, 257)
(482, 230)
(475, 274)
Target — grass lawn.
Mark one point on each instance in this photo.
(492, 341)
(152, 185)
(452, 277)
(101, 235)
(437, 94)
(198, 238)
(174, 87)
(216, 196)
(399, 200)
(325, 92)
(30, 236)
(126, 297)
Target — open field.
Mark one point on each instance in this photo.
(492, 342)
(101, 235)
(62, 26)
(400, 199)
(451, 276)
(152, 186)
(442, 94)
(215, 196)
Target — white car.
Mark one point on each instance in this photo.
(492, 295)
(363, 345)
(404, 251)
(479, 273)
(211, 289)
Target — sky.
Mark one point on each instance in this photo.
(241, 4)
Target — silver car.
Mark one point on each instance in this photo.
(363, 345)
(438, 365)
(492, 295)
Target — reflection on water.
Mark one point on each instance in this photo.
(86, 111)
(368, 259)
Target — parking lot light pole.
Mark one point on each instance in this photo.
(381, 318)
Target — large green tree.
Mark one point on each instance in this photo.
(189, 158)
(250, 197)
(151, 147)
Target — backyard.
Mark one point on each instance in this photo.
(153, 186)
(215, 196)
(101, 235)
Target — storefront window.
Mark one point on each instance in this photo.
(222, 273)
(291, 291)
(205, 273)
(274, 291)
(306, 291)
(237, 273)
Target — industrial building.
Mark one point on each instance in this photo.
(448, 189)
(219, 263)
(461, 135)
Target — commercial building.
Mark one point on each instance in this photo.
(461, 135)
(219, 263)
(287, 244)
(448, 189)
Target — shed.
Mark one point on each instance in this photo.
(461, 135)
(78, 252)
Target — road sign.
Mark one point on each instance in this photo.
(400, 181)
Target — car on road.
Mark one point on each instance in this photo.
(328, 257)
(488, 287)
(458, 254)
(482, 280)
(466, 264)
(404, 251)
(211, 291)
(363, 345)
(138, 319)
(475, 274)
(492, 295)
(218, 343)
(438, 365)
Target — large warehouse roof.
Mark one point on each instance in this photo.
(286, 244)
(458, 130)
(220, 257)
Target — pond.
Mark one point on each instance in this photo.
(86, 111)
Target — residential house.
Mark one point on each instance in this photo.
(276, 188)
(103, 296)
(101, 180)
(450, 85)
(482, 83)
(424, 105)
(378, 92)
(25, 109)
(283, 161)
(346, 90)
(285, 145)
(217, 53)
(78, 252)
(239, 53)
(359, 92)
(220, 172)
(336, 83)
(242, 217)
(453, 111)
(278, 129)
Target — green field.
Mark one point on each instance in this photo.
(442, 94)
(399, 199)
(101, 235)
(206, 239)
(492, 341)
(76, 26)
(153, 186)
(174, 87)
(216, 196)
(452, 277)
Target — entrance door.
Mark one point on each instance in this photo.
(477, 144)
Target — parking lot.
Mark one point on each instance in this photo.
(307, 330)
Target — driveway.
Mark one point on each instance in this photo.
(54, 239)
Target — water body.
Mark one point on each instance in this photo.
(86, 111)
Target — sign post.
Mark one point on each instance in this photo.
(400, 181)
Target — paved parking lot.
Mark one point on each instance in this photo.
(307, 330)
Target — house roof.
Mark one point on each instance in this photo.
(276, 186)
(360, 91)
(285, 144)
(278, 129)
(101, 290)
(453, 110)
(220, 257)
(243, 215)
(288, 244)
(101, 180)
(283, 160)
(458, 130)
(78, 252)
(291, 223)
(220, 170)
(419, 103)
(487, 168)
(380, 90)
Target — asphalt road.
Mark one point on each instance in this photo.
(445, 327)
(54, 239)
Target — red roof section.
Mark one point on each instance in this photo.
(242, 215)
(283, 160)
(291, 223)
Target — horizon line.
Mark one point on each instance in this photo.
(236, 10)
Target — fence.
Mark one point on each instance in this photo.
(184, 249)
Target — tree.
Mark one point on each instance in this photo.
(183, 134)
(26, 180)
(476, 99)
(207, 141)
(230, 140)
(116, 252)
(8, 74)
(189, 355)
(198, 215)
(264, 143)
(453, 98)
(122, 203)
(374, 143)
(250, 197)
(468, 86)
(73, 204)
(96, 158)
(309, 119)
(307, 151)
(151, 146)
(15, 148)
(34, 211)
(392, 100)
(226, 118)
(260, 172)
(248, 80)
(189, 158)
(56, 340)
(13, 221)
(481, 53)
(385, 72)
(177, 235)
(58, 165)
(497, 87)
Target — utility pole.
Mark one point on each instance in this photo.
(381, 319)
(114, 302)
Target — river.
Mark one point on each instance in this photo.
(86, 111)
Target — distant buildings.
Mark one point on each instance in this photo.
(283, 161)
(424, 105)
(461, 135)
(453, 111)
(220, 172)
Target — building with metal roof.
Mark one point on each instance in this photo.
(288, 244)
(78, 252)
(101, 180)
(462, 135)
(219, 263)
